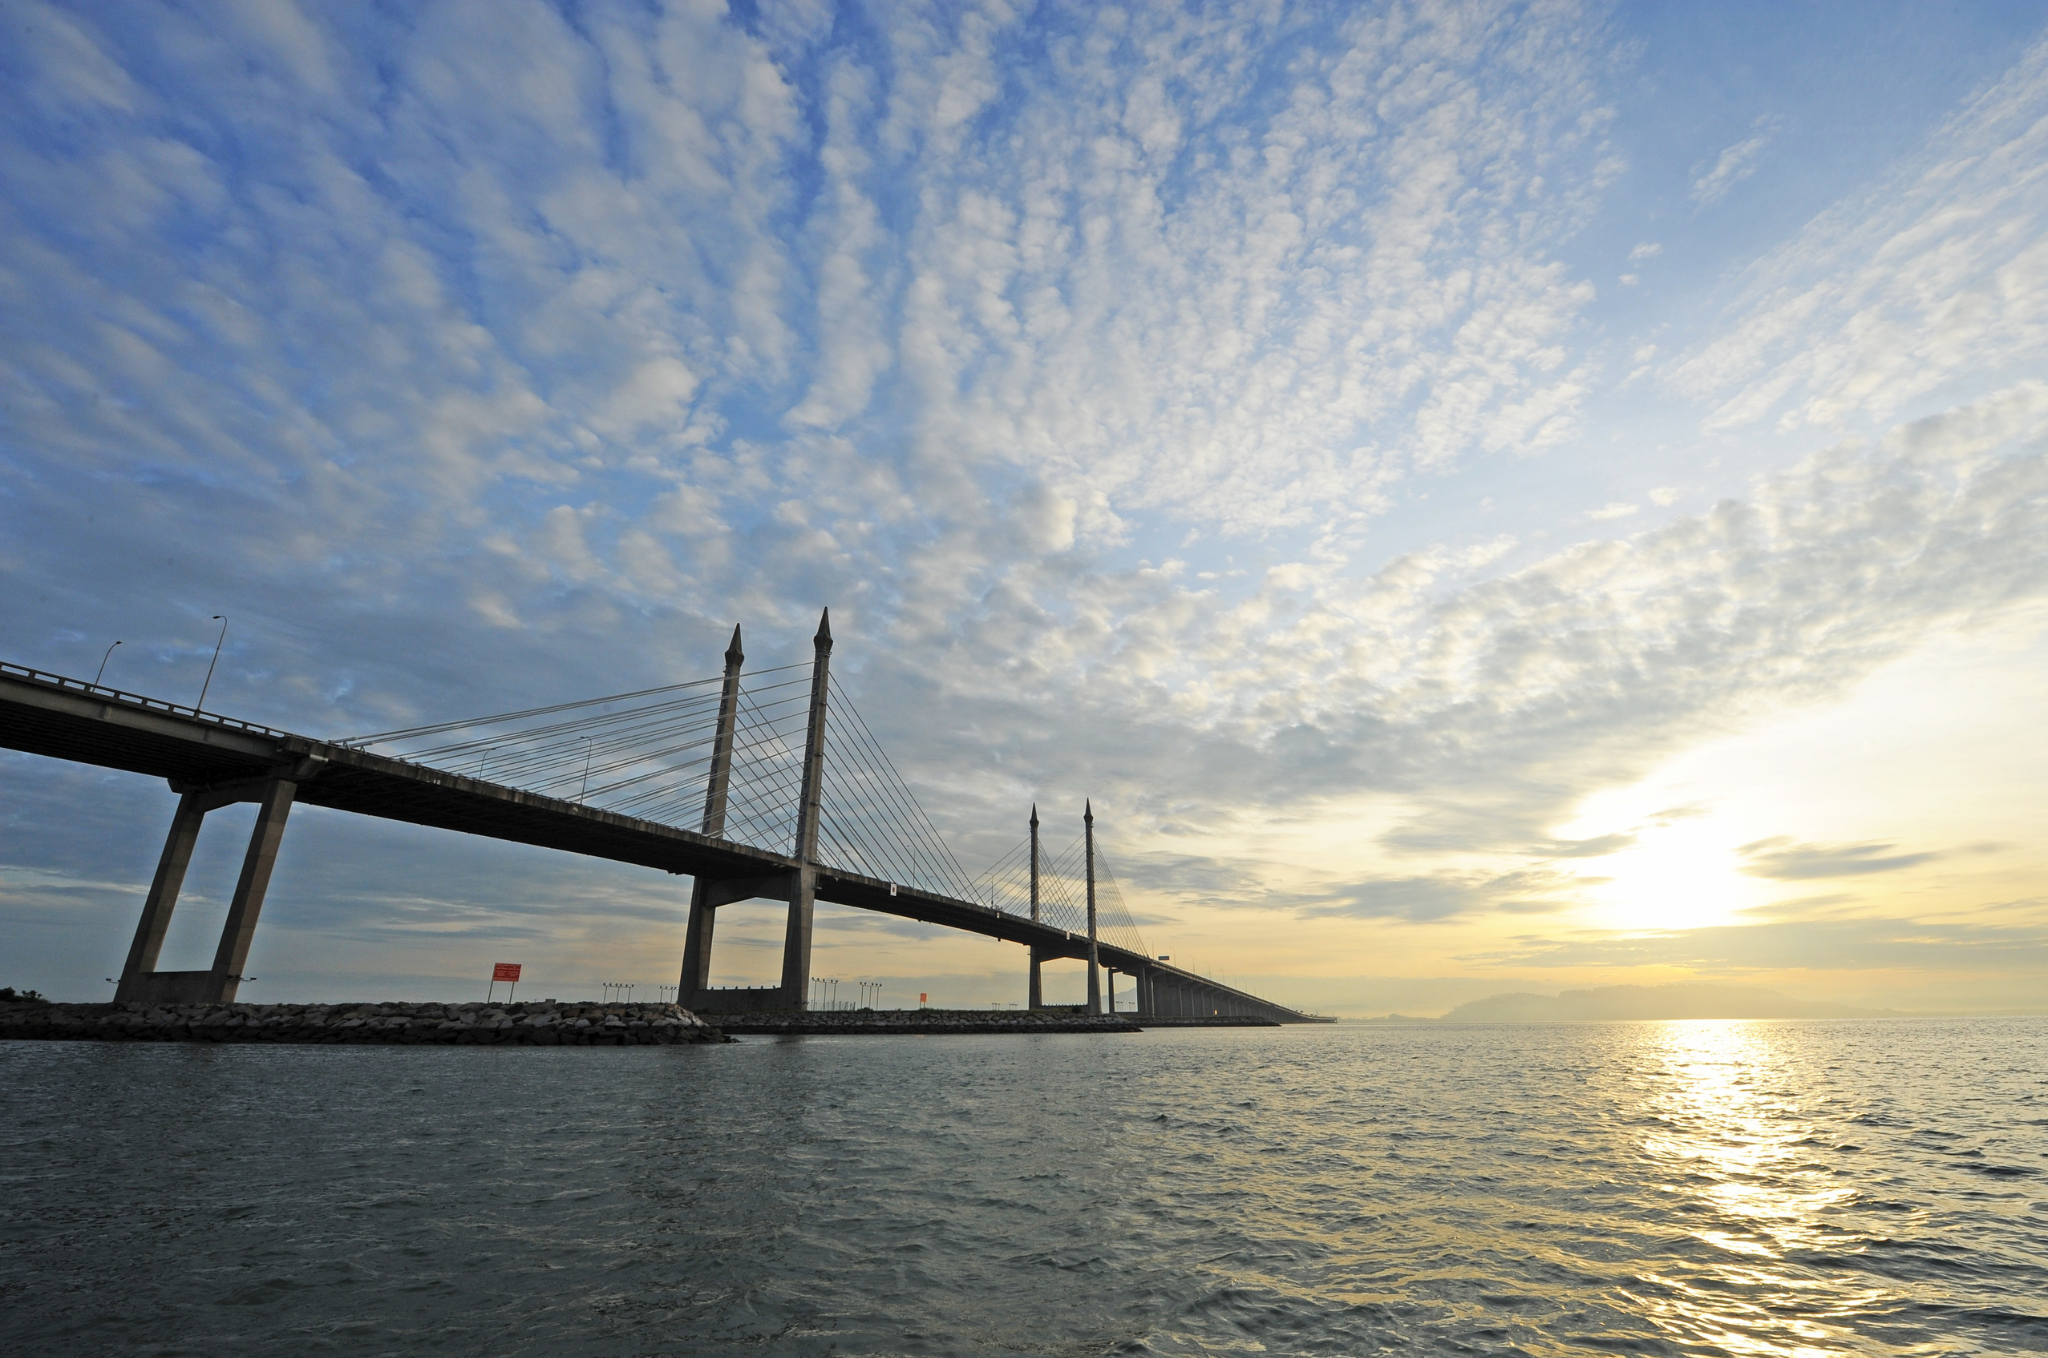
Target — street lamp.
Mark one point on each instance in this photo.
(103, 665)
(222, 619)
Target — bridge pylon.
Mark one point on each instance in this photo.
(1094, 948)
(1037, 995)
(798, 887)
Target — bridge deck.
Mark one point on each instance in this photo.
(66, 719)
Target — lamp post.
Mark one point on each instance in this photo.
(222, 619)
(103, 665)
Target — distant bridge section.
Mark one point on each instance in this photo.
(605, 778)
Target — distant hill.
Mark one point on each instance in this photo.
(1651, 1002)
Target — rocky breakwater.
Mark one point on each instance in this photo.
(851, 1022)
(544, 1024)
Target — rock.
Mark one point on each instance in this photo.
(390, 1023)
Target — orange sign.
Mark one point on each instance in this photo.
(920, 997)
(505, 971)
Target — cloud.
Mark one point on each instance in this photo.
(1185, 288)
(1735, 164)
(2017, 951)
(1781, 859)
(1597, 847)
(1939, 271)
(1444, 895)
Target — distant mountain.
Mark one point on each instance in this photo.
(1651, 1002)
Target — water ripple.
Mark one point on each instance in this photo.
(1768, 1189)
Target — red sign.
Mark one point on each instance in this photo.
(920, 997)
(505, 971)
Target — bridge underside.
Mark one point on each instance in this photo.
(213, 762)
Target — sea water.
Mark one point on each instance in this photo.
(1746, 1188)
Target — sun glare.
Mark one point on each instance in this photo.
(1684, 876)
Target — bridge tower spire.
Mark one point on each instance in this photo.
(721, 745)
(796, 938)
(696, 977)
(1037, 997)
(1094, 957)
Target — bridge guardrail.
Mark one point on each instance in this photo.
(148, 704)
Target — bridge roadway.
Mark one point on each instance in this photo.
(213, 757)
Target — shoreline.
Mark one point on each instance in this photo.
(543, 1023)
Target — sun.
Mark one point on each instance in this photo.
(1682, 876)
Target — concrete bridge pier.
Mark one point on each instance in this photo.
(140, 980)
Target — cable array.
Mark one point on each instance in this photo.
(1062, 892)
(648, 754)
(645, 754)
(1113, 922)
(767, 777)
(871, 822)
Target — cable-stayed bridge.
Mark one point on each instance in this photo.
(759, 785)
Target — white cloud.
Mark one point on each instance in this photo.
(1491, 705)
(1938, 274)
(1738, 162)
(1274, 308)
(656, 392)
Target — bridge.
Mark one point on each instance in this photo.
(742, 756)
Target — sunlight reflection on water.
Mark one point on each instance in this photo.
(1734, 1138)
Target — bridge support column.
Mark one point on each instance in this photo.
(233, 954)
(1094, 957)
(796, 939)
(696, 978)
(162, 899)
(140, 980)
(697, 947)
(1036, 997)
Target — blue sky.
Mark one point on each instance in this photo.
(1424, 469)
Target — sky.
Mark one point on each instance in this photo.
(1481, 496)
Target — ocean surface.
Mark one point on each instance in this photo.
(1765, 1188)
